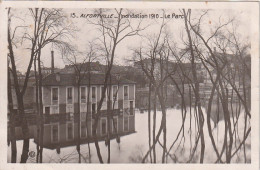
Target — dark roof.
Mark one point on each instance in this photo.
(69, 79)
(94, 66)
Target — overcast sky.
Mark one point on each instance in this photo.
(88, 32)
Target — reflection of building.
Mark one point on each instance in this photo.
(60, 97)
(62, 134)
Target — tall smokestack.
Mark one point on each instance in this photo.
(52, 61)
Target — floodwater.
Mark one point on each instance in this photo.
(134, 146)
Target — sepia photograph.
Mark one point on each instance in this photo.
(128, 85)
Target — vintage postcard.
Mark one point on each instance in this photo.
(128, 84)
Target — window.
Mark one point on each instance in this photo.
(83, 93)
(125, 123)
(93, 131)
(55, 133)
(102, 89)
(125, 92)
(54, 109)
(69, 108)
(47, 110)
(115, 130)
(83, 130)
(131, 108)
(103, 126)
(93, 93)
(94, 108)
(69, 93)
(69, 131)
(115, 92)
(54, 94)
(83, 115)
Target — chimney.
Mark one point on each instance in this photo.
(52, 61)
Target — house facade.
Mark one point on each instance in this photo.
(61, 96)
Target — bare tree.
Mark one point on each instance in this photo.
(228, 84)
(225, 78)
(81, 64)
(49, 26)
(157, 56)
(113, 32)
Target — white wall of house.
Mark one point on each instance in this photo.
(126, 93)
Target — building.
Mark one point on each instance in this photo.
(29, 95)
(93, 67)
(63, 101)
(29, 98)
(60, 99)
(181, 75)
(232, 70)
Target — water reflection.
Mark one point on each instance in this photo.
(217, 113)
(63, 130)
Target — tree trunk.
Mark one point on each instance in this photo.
(78, 118)
(108, 120)
(154, 126)
(196, 90)
(40, 105)
(19, 96)
(37, 111)
(25, 130)
(149, 119)
(11, 122)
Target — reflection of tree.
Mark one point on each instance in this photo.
(137, 154)
(69, 157)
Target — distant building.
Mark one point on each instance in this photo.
(29, 95)
(172, 68)
(29, 98)
(48, 70)
(180, 73)
(93, 67)
(232, 64)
